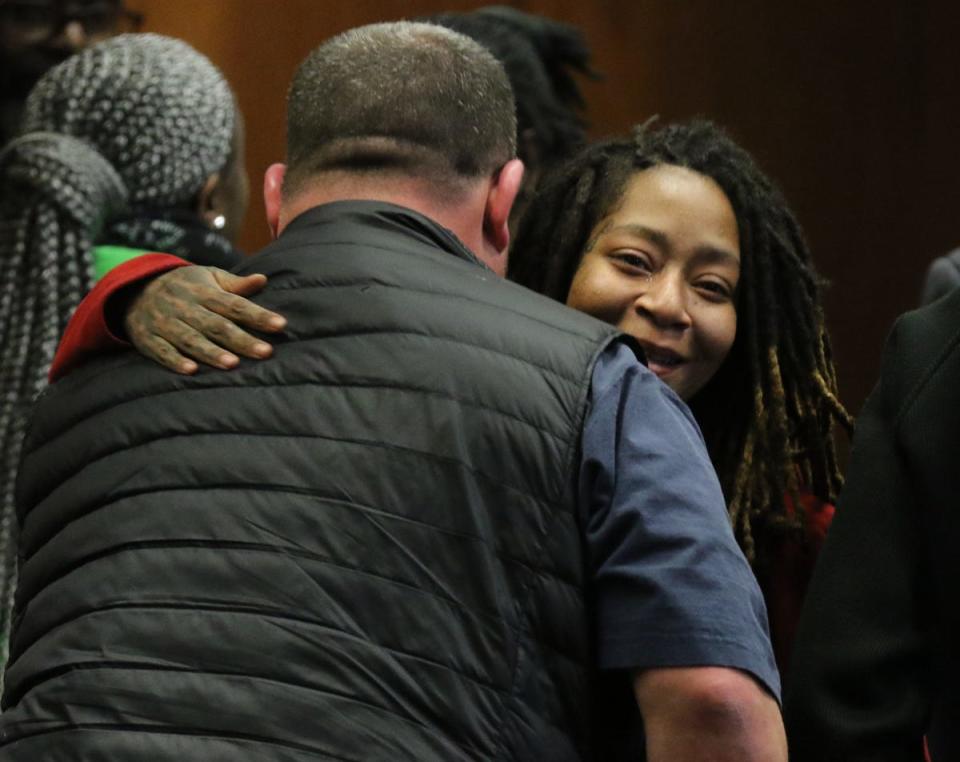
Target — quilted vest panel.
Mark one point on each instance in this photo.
(364, 548)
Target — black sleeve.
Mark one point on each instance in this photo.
(856, 688)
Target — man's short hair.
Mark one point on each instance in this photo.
(401, 97)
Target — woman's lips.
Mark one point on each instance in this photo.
(661, 360)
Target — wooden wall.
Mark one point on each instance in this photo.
(854, 108)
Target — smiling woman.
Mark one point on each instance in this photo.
(664, 267)
(677, 238)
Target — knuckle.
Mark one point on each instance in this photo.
(234, 307)
(191, 343)
(166, 355)
(218, 330)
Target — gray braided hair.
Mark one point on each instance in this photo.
(137, 122)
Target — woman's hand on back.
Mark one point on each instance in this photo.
(194, 314)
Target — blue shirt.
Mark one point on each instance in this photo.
(671, 587)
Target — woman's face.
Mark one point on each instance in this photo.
(664, 267)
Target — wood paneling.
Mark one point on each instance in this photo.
(853, 107)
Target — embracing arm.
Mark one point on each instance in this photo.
(172, 312)
(90, 331)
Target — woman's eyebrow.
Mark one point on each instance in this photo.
(653, 235)
(702, 255)
(711, 255)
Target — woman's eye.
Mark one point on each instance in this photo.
(633, 261)
(715, 289)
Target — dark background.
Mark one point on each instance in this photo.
(853, 107)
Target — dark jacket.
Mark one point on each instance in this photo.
(877, 662)
(365, 548)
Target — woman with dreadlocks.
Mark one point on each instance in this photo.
(133, 145)
(677, 237)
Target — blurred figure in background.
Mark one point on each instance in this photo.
(133, 145)
(876, 664)
(36, 35)
(542, 58)
(943, 276)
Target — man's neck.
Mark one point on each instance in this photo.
(463, 216)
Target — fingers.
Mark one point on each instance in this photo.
(244, 285)
(224, 333)
(187, 316)
(189, 342)
(163, 352)
(243, 312)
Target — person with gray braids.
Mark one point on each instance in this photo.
(132, 145)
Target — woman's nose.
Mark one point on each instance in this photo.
(664, 301)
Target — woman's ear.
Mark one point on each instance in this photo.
(210, 207)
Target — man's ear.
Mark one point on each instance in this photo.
(273, 196)
(500, 198)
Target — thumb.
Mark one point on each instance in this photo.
(242, 285)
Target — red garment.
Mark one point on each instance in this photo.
(88, 333)
(785, 583)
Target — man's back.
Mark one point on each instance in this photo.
(367, 544)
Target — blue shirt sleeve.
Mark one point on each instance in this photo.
(670, 585)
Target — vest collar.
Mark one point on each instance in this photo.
(398, 219)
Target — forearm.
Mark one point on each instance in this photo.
(714, 714)
(91, 330)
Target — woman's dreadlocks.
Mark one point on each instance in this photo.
(768, 414)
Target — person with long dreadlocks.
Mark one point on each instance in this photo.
(677, 237)
(132, 145)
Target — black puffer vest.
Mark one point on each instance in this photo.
(364, 548)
